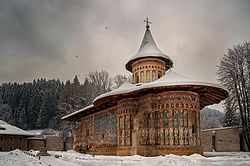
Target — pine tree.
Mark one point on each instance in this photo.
(87, 91)
(22, 119)
(34, 108)
(231, 118)
(1, 95)
(22, 107)
(41, 120)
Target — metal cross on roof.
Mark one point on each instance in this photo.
(147, 23)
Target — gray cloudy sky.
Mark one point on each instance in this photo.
(62, 38)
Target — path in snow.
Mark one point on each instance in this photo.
(49, 160)
(72, 158)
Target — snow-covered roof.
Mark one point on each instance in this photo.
(8, 129)
(77, 112)
(36, 138)
(148, 49)
(171, 78)
(35, 132)
(3, 122)
(124, 88)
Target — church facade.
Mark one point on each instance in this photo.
(157, 114)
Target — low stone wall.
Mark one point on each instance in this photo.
(53, 143)
(206, 140)
(227, 140)
(222, 140)
(35, 143)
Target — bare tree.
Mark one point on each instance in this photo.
(119, 79)
(101, 82)
(234, 74)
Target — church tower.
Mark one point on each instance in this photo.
(150, 63)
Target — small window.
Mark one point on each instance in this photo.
(182, 105)
(193, 130)
(21, 139)
(1, 138)
(214, 142)
(87, 133)
(11, 139)
(1, 148)
(11, 148)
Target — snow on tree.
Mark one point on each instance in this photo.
(234, 74)
(34, 107)
(1, 95)
(101, 82)
(231, 117)
(41, 103)
(119, 80)
(211, 118)
(70, 100)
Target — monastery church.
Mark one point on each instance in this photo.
(157, 114)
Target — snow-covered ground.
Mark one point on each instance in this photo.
(19, 158)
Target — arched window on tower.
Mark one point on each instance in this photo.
(147, 76)
(142, 77)
(159, 74)
(136, 78)
(153, 75)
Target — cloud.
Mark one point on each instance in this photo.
(62, 38)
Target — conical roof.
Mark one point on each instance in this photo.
(149, 49)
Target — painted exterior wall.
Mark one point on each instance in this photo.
(11, 142)
(153, 124)
(97, 132)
